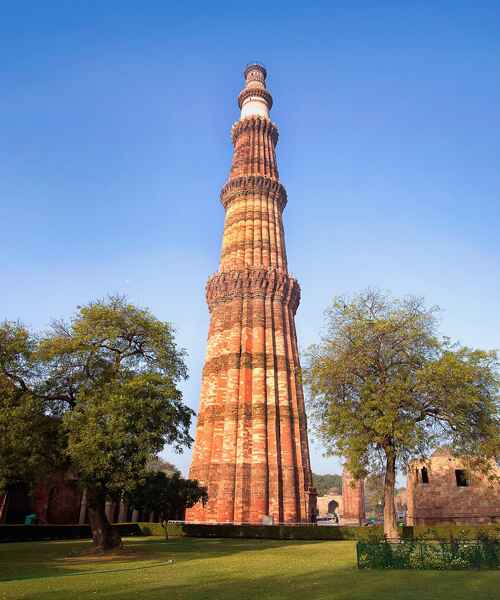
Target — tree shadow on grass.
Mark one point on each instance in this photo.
(301, 571)
(335, 584)
(41, 560)
(344, 584)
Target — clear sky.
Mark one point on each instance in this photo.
(114, 144)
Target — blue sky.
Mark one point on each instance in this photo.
(115, 120)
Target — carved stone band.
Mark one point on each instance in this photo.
(248, 92)
(256, 123)
(250, 185)
(253, 283)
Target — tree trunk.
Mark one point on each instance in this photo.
(104, 536)
(4, 501)
(164, 524)
(122, 515)
(391, 530)
(83, 508)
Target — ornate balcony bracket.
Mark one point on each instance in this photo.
(253, 283)
(250, 185)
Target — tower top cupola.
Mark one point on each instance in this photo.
(254, 99)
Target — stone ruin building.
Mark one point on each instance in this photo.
(443, 489)
(59, 500)
(353, 499)
(56, 500)
(349, 506)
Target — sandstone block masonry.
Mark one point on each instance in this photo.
(251, 447)
(353, 499)
(445, 489)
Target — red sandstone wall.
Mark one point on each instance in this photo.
(57, 500)
(441, 500)
(353, 498)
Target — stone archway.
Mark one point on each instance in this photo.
(332, 507)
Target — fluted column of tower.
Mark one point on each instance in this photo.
(251, 447)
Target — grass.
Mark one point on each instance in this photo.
(222, 568)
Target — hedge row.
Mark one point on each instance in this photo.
(312, 532)
(447, 531)
(18, 533)
(157, 529)
(483, 553)
(30, 533)
(270, 532)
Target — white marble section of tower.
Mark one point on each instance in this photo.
(255, 100)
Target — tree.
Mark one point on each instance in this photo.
(384, 388)
(374, 493)
(109, 378)
(159, 464)
(327, 484)
(30, 440)
(166, 495)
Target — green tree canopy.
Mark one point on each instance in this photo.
(159, 464)
(374, 493)
(30, 440)
(384, 388)
(167, 496)
(327, 484)
(109, 378)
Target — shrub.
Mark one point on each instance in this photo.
(29, 533)
(448, 531)
(413, 554)
(272, 532)
(156, 529)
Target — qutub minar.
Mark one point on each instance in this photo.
(251, 447)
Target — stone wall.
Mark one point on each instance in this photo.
(443, 489)
(57, 500)
(325, 505)
(353, 499)
(349, 506)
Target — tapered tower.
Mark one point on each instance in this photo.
(251, 447)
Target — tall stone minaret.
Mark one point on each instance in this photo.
(251, 447)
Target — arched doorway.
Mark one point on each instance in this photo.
(332, 508)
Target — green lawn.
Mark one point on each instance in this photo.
(216, 568)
